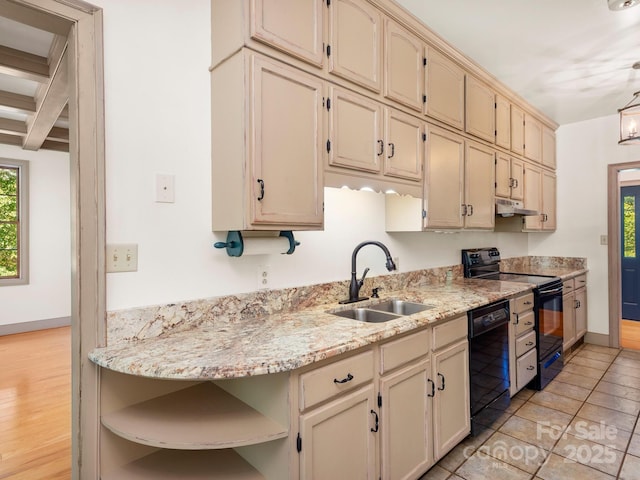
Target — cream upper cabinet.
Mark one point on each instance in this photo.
(403, 152)
(509, 177)
(355, 42)
(479, 182)
(278, 163)
(293, 26)
(548, 200)
(480, 109)
(444, 179)
(532, 138)
(548, 147)
(444, 89)
(355, 131)
(517, 130)
(503, 122)
(533, 195)
(403, 66)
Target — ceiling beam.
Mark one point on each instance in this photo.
(49, 105)
(13, 127)
(17, 103)
(35, 18)
(23, 65)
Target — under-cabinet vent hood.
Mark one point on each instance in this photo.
(509, 208)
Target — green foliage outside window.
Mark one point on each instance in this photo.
(9, 222)
(629, 226)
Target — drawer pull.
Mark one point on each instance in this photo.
(529, 323)
(528, 302)
(433, 388)
(528, 344)
(530, 367)
(442, 380)
(344, 380)
(375, 429)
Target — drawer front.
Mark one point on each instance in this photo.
(526, 321)
(525, 342)
(568, 286)
(526, 368)
(405, 349)
(333, 379)
(580, 281)
(450, 331)
(523, 303)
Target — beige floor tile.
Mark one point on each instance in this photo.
(633, 362)
(544, 415)
(436, 473)
(615, 403)
(557, 402)
(603, 357)
(630, 353)
(515, 452)
(560, 468)
(584, 371)
(578, 380)
(634, 445)
(601, 457)
(455, 477)
(568, 390)
(481, 467)
(630, 468)
(625, 370)
(620, 379)
(590, 362)
(600, 432)
(531, 432)
(601, 349)
(623, 421)
(524, 394)
(515, 404)
(618, 390)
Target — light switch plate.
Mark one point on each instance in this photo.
(122, 257)
(604, 240)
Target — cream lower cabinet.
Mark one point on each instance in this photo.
(522, 343)
(574, 310)
(266, 174)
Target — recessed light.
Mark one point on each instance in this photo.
(622, 4)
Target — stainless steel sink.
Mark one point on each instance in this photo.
(400, 307)
(366, 315)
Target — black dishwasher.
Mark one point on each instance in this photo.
(488, 361)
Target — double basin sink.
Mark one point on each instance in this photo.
(383, 311)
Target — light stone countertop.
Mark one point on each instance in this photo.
(287, 341)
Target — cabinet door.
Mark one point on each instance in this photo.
(517, 179)
(451, 409)
(285, 184)
(355, 131)
(404, 67)
(532, 138)
(406, 422)
(503, 175)
(503, 122)
(568, 320)
(403, 151)
(444, 89)
(548, 200)
(581, 312)
(479, 180)
(338, 440)
(532, 196)
(293, 26)
(548, 147)
(517, 130)
(479, 109)
(355, 33)
(444, 179)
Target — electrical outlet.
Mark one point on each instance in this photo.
(165, 188)
(263, 276)
(122, 257)
(604, 240)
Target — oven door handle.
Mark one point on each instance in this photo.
(553, 290)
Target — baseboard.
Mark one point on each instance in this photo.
(601, 339)
(23, 327)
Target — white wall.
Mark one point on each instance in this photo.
(584, 150)
(158, 121)
(48, 294)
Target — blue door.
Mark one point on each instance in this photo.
(630, 251)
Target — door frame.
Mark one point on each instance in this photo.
(613, 250)
(88, 280)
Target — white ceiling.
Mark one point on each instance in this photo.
(571, 59)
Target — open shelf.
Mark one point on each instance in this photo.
(196, 418)
(187, 465)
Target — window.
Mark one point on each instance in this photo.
(14, 187)
(629, 225)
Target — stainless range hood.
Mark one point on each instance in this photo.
(509, 208)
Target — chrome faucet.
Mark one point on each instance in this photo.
(355, 285)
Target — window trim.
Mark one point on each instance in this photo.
(23, 215)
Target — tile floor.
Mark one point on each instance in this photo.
(582, 426)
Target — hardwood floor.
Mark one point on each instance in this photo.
(630, 334)
(35, 405)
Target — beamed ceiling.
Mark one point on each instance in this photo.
(34, 75)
